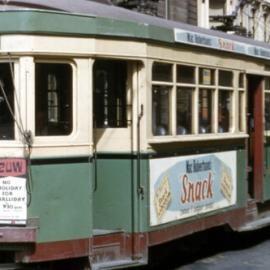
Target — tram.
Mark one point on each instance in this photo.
(121, 131)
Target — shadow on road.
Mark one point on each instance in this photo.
(202, 245)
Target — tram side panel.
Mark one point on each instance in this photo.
(60, 203)
(113, 194)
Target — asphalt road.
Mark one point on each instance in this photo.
(215, 250)
(251, 258)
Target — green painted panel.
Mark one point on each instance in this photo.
(52, 23)
(45, 22)
(61, 199)
(113, 195)
(117, 204)
(266, 180)
(242, 190)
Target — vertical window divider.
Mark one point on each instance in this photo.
(195, 108)
(245, 103)
(237, 101)
(173, 104)
(215, 103)
(235, 95)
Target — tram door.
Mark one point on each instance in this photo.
(115, 200)
(255, 131)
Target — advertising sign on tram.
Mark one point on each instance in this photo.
(13, 198)
(182, 187)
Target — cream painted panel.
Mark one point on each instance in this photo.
(128, 49)
(113, 139)
(46, 44)
(67, 150)
(199, 57)
(71, 46)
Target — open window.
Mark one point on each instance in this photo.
(53, 83)
(110, 94)
(6, 102)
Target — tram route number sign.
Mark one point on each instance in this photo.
(13, 195)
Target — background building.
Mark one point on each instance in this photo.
(250, 18)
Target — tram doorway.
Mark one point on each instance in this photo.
(255, 131)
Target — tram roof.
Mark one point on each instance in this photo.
(86, 17)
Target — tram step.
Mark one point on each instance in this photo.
(120, 264)
(114, 249)
(255, 224)
(251, 210)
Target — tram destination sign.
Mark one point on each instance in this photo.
(13, 198)
(204, 40)
(182, 187)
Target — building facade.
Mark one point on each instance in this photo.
(250, 18)
(183, 11)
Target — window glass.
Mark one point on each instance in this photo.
(205, 110)
(162, 72)
(110, 105)
(225, 78)
(185, 74)
(241, 119)
(6, 102)
(267, 83)
(184, 110)
(267, 111)
(53, 99)
(224, 110)
(241, 80)
(207, 76)
(161, 110)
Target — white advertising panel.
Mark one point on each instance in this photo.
(13, 194)
(182, 187)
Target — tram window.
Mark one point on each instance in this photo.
(110, 105)
(225, 78)
(267, 84)
(207, 76)
(162, 72)
(267, 111)
(53, 99)
(241, 100)
(205, 111)
(6, 100)
(161, 110)
(224, 110)
(184, 110)
(267, 104)
(241, 80)
(185, 74)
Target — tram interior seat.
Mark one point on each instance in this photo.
(161, 130)
(181, 130)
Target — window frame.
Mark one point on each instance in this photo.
(241, 97)
(233, 132)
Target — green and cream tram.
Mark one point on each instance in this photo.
(120, 131)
